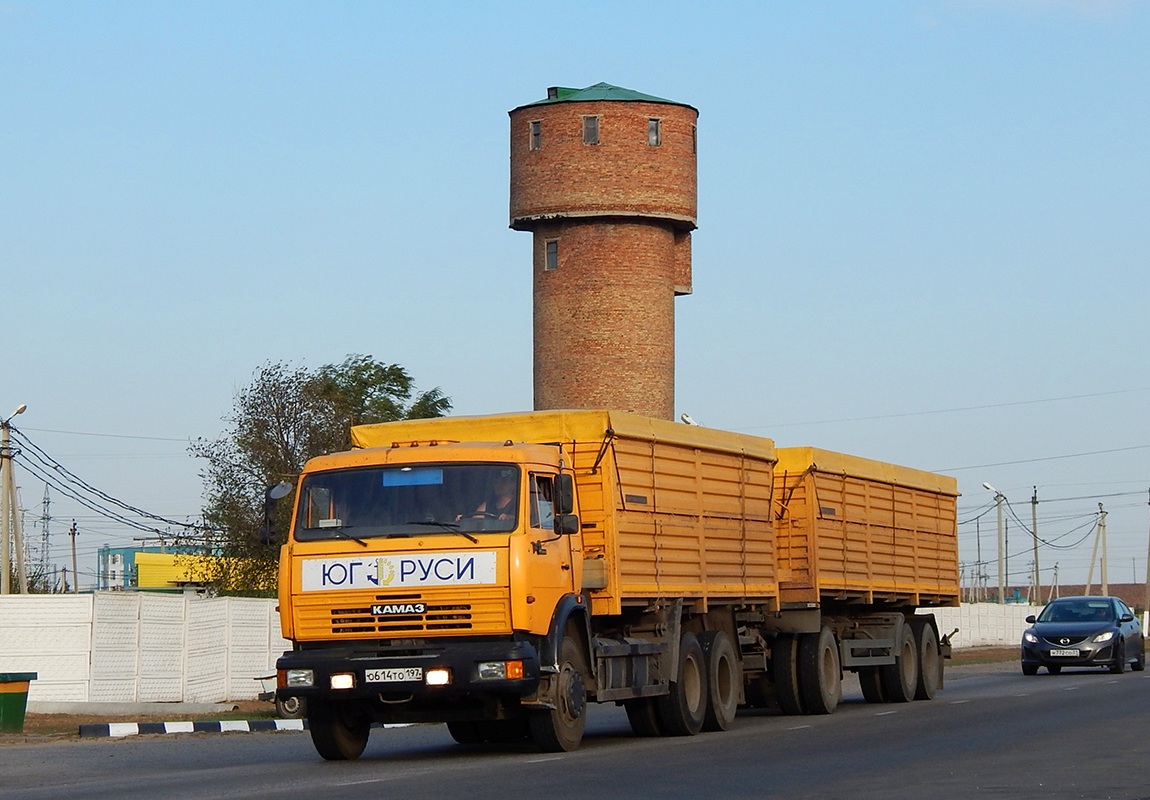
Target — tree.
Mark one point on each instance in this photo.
(285, 416)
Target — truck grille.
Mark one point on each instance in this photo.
(352, 617)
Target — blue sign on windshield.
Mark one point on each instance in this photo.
(413, 476)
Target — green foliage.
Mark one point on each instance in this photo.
(285, 416)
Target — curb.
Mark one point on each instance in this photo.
(119, 729)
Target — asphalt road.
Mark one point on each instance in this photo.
(991, 733)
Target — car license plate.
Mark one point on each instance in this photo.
(1064, 653)
(399, 675)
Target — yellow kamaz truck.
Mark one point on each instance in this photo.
(500, 573)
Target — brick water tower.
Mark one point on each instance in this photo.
(605, 179)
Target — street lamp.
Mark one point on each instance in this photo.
(998, 498)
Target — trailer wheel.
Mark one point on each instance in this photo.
(643, 715)
(560, 729)
(820, 672)
(929, 662)
(900, 679)
(723, 680)
(784, 670)
(682, 711)
(337, 731)
(870, 681)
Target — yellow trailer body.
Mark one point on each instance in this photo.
(852, 530)
(666, 510)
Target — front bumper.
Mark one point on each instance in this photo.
(461, 659)
(1088, 654)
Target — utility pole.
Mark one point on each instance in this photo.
(1146, 605)
(1099, 539)
(9, 512)
(75, 574)
(1102, 535)
(1034, 533)
(998, 498)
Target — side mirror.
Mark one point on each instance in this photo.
(564, 494)
(1126, 618)
(566, 524)
(1031, 619)
(274, 493)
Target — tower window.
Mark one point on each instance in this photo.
(536, 134)
(590, 130)
(654, 132)
(551, 255)
(694, 138)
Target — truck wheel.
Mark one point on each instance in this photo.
(560, 729)
(643, 716)
(929, 662)
(900, 679)
(820, 672)
(784, 670)
(337, 731)
(681, 712)
(870, 681)
(723, 680)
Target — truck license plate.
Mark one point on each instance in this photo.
(399, 675)
(1068, 653)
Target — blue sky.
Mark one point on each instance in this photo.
(922, 230)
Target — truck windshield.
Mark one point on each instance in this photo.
(428, 499)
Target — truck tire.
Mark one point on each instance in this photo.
(682, 711)
(784, 670)
(643, 714)
(929, 661)
(560, 729)
(338, 732)
(724, 677)
(820, 672)
(870, 681)
(900, 679)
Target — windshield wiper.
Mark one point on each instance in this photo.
(339, 529)
(450, 527)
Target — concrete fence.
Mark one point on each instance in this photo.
(121, 647)
(129, 647)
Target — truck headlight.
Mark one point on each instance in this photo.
(298, 677)
(343, 680)
(438, 676)
(500, 670)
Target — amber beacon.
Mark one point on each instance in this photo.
(605, 179)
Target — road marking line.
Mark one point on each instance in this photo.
(958, 702)
(798, 727)
(885, 713)
(542, 760)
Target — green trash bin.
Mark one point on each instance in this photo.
(14, 700)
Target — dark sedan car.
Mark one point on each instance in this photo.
(1083, 632)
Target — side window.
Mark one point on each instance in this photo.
(536, 134)
(542, 507)
(551, 256)
(590, 130)
(654, 132)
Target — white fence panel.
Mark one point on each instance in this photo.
(985, 624)
(162, 643)
(115, 648)
(248, 636)
(50, 635)
(206, 662)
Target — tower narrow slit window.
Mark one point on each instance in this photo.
(551, 254)
(590, 130)
(536, 134)
(654, 132)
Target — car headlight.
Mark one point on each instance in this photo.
(1104, 637)
(1030, 637)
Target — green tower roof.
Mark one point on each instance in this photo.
(600, 91)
